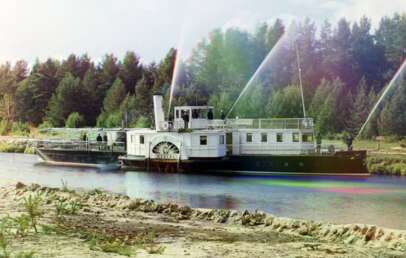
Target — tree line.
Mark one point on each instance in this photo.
(344, 68)
(77, 92)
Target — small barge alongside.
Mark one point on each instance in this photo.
(83, 153)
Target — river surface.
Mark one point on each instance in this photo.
(374, 200)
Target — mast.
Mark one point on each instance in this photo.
(300, 79)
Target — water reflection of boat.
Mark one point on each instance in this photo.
(194, 190)
(196, 142)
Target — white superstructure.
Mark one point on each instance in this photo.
(194, 134)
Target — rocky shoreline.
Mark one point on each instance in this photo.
(100, 224)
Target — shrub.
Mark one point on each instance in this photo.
(64, 208)
(402, 143)
(29, 150)
(155, 249)
(20, 129)
(61, 208)
(75, 120)
(110, 120)
(5, 237)
(5, 127)
(392, 138)
(25, 255)
(45, 125)
(142, 122)
(107, 245)
(22, 223)
(32, 206)
(114, 120)
(12, 147)
(101, 120)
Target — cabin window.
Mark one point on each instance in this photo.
(221, 139)
(295, 137)
(203, 140)
(279, 137)
(249, 137)
(142, 140)
(307, 137)
(177, 113)
(264, 137)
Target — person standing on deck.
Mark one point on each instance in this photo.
(318, 142)
(222, 115)
(210, 114)
(185, 117)
(350, 139)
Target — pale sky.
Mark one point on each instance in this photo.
(31, 29)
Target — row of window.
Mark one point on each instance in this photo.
(203, 139)
(307, 137)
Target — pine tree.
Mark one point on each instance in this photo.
(361, 106)
(114, 97)
(324, 106)
(107, 73)
(68, 98)
(393, 115)
(285, 103)
(34, 93)
(275, 32)
(90, 85)
(131, 71)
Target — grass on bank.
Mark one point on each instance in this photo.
(12, 228)
(387, 164)
(67, 220)
(386, 156)
(13, 147)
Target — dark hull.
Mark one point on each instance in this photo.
(344, 163)
(78, 157)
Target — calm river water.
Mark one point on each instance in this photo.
(372, 200)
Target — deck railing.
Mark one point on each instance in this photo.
(81, 145)
(274, 123)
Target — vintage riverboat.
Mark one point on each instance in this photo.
(194, 142)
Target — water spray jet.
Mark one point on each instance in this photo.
(286, 36)
(390, 86)
(176, 70)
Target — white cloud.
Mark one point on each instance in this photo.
(374, 9)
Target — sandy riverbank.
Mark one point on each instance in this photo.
(100, 224)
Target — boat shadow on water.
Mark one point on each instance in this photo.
(108, 168)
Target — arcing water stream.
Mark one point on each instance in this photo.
(287, 37)
(390, 86)
(176, 70)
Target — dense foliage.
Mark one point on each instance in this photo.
(344, 67)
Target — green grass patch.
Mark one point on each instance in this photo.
(12, 147)
(387, 165)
